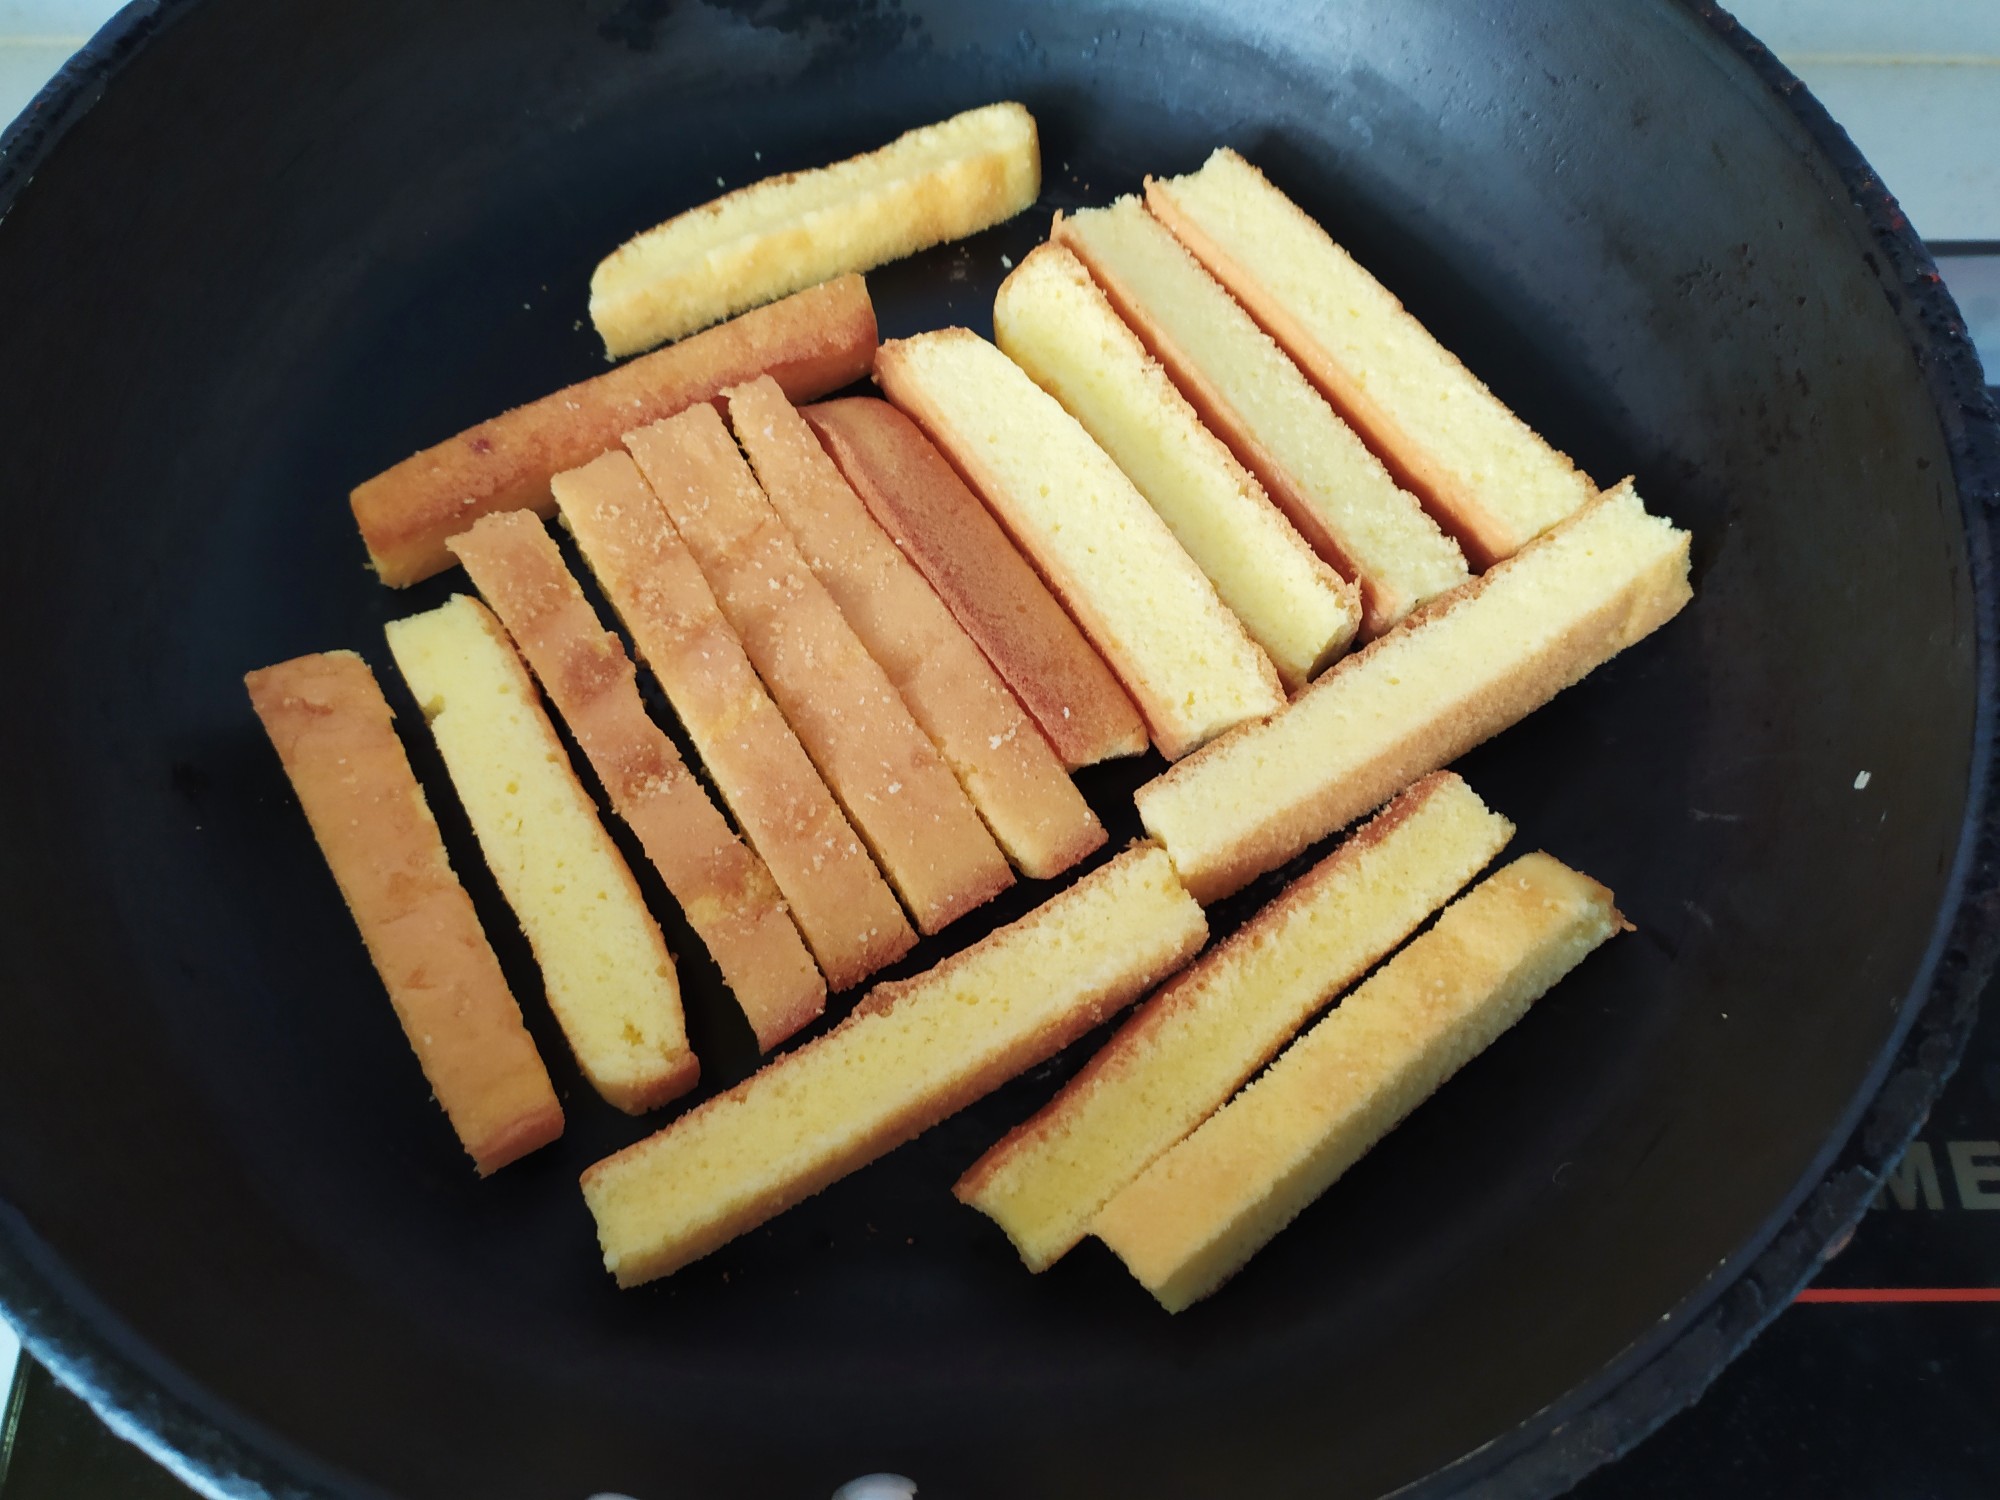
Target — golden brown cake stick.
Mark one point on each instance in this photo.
(1255, 399)
(1203, 1209)
(1418, 698)
(605, 966)
(1483, 472)
(722, 887)
(888, 777)
(910, 1054)
(811, 343)
(1191, 1046)
(1187, 661)
(1008, 770)
(1054, 322)
(845, 910)
(941, 526)
(936, 183)
(331, 726)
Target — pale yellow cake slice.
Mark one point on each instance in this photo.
(1191, 1046)
(1006, 767)
(910, 1054)
(723, 888)
(1483, 472)
(331, 727)
(1248, 390)
(604, 964)
(1184, 657)
(1420, 697)
(937, 183)
(843, 906)
(1203, 1209)
(1051, 319)
(888, 776)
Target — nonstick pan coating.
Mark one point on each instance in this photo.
(253, 253)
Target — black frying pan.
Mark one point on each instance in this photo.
(252, 253)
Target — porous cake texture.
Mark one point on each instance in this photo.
(1051, 319)
(331, 727)
(1205, 1207)
(919, 499)
(896, 790)
(1483, 472)
(604, 964)
(843, 907)
(723, 888)
(1420, 697)
(1015, 781)
(1191, 1046)
(1182, 655)
(910, 1054)
(811, 343)
(937, 183)
(1250, 393)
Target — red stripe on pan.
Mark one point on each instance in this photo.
(1899, 1294)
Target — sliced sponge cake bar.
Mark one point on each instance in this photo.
(910, 1054)
(1208, 1205)
(1133, 588)
(1420, 697)
(1246, 388)
(1480, 469)
(331, 726)
(940, 525)
(604, 964)
(723, 888)
(1052, 321)
(898, 792)
(1194, 1043)
(1008, 770)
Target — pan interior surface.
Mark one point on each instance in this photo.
(292, 244)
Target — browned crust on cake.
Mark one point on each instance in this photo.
(1088, 1013)
(332, 729)
(1619, 623)
(1000, 758)
(843, 907)
(895, 788)
(923, 503)
(1171, 998)
(723, 888)
(1456, 507)
(812, 342)
(1381, 607)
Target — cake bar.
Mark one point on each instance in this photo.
(1463, 670)
(1248, 390)
(938, 183)
(1052, 320)
(604, 965)
(896, 790)
(1482, 471)
(940, 525)
(723, 888)
(1203, 1209)
(331, 726)
(1014, 779)
(844, 909)
(811, 343)
(1107, 554)
(1191, 1046)
(910, 1054)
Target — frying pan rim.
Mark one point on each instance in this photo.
(132, 1388)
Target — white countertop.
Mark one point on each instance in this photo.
(1916, 83)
